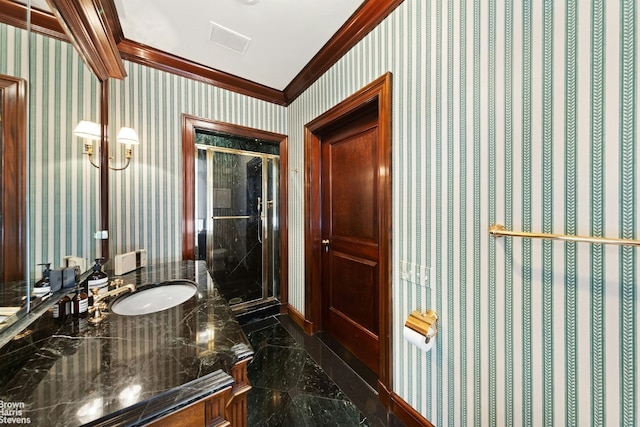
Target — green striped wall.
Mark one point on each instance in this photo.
(516, 112)
(63, 187)
(146, 198)
(522, 113)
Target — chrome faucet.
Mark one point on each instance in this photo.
(99, 304)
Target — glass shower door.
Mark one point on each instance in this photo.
(241, 223)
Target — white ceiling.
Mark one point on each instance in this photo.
(285, 34)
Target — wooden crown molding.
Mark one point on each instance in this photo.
(366, 18)
(88, 29)
(146, 55)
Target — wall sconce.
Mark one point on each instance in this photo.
(91, 130)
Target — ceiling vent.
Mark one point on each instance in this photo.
(229, 39)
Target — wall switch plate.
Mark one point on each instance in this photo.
(416, 274)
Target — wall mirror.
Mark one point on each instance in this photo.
(62, 189)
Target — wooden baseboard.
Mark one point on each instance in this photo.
(284, 308)
(297, 317)
(407, 414)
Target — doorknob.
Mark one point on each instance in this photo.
(325, 242)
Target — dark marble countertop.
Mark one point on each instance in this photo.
(127, 370)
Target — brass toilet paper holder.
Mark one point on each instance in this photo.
(422, 322)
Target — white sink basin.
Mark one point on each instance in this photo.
(154, 299)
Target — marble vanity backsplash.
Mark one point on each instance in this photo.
(128, 369)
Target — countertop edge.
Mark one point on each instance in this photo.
(152, 409)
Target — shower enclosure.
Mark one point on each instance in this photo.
(237, 218)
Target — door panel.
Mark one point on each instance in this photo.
(354, 201)
(358, 299)
(350, 261)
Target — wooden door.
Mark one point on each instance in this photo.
(350, 235)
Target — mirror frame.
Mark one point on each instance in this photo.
(13, 92)
(97, 47)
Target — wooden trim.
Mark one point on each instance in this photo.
(366, 18)
(284, 309)
(89, 31)
(188, 187)
(208, 411)
(104, 167)
(146, 55)
(215, 410)
(378, 91)
(284, 220)
(13, 92)
(299, 319)
(111, 15)
(384, 395)
(312, 229)
(15, 14)
(189, 126)
(236, 410)
(407, 414)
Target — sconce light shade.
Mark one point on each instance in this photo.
(127, 136)
(87, 129)
(91, 130)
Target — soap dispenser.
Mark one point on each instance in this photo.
(80, 302)
(97, 278)
(42, 286)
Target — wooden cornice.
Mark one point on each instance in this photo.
(366, 18)
(89, 31)
(142, 54)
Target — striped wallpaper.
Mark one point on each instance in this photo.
(63, 186)
(146, 198)
(521, 113)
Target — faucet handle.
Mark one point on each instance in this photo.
(117, 283)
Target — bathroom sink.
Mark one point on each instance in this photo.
(166, 295)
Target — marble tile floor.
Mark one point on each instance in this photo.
(299, 381)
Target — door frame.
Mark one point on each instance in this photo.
(191, 124)
(378, 91)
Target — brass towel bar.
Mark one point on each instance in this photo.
(498, 230)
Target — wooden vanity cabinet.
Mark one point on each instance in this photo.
(227, 407)
(205, 412)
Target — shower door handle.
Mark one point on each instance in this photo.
(259, 207)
